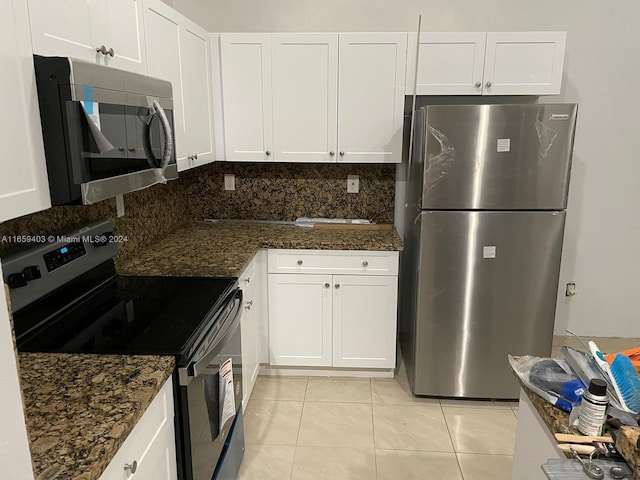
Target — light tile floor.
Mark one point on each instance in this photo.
(317, 428)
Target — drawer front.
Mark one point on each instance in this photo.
(142, 444)
(352, 262)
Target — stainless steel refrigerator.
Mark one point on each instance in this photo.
(484, 221)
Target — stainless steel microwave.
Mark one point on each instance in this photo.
(106, 131)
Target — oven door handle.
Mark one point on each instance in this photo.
(227, 329)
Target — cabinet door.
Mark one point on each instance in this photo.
(151, 443)
(519, 63)
(163, 61)
(246, 94)
(305, 97)
(449, 63)
(364, 321)
(371, 102)
(197, 92)
(300, 319)
(64, 28)
(24, 186)
(121, 27)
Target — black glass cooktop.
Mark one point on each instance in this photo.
(101, 313)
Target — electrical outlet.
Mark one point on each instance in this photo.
(229, 181)
(120, 206)
(353, 183)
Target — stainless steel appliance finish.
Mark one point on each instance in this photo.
(494, 157)
(106, 131)
(485, 219)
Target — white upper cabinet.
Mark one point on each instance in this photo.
(178, 51)
(80, 28)
(449, 63)
(479, 63)
(524, 63)
(24, 187)
(197, 92)
(305, 96)
(371, 98)
(246, 86)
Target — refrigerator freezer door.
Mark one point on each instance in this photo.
(498, 157)
(487, 285)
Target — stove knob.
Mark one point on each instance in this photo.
(31, 272)
(16, 280)
(102, 239)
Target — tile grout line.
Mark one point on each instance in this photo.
(373, 432)
(295, 447)
(451, 439)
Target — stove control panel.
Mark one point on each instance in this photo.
(63, 255)
(38, 269)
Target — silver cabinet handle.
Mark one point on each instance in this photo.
(488, 84)
(267, 153)
(121, 149)
(248, 279)
(102, 49)
(326, 285)
(195, 156)
(365, 264)
(478, 84)
(111, 52)
(132, 467)
(342, 154)
(248, 305)
(299, 262)
(337, 285)
(132, 149)
(331, 154)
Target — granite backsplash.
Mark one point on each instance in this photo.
(274, 191)
(286, 191)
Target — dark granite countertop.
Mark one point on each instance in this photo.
(79, 409)
(224, 249)
(557, 421)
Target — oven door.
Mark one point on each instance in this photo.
(210, 399)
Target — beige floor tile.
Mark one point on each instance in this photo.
(410, 427)
(334, 463)
(404, 465)
(485, 467)
(272, 422)
(279, 388)
(267, 462)
(490, 404)
(327, 424)
(351, 390)
(481, 430)
(392, 392)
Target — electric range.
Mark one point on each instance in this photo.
(67, 298)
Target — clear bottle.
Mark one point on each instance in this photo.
(593, 411)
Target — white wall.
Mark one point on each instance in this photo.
(602, 73)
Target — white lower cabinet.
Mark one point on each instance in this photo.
(332, 319)
(251, 323)
(150, 448)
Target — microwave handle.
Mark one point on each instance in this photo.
(168, 137)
